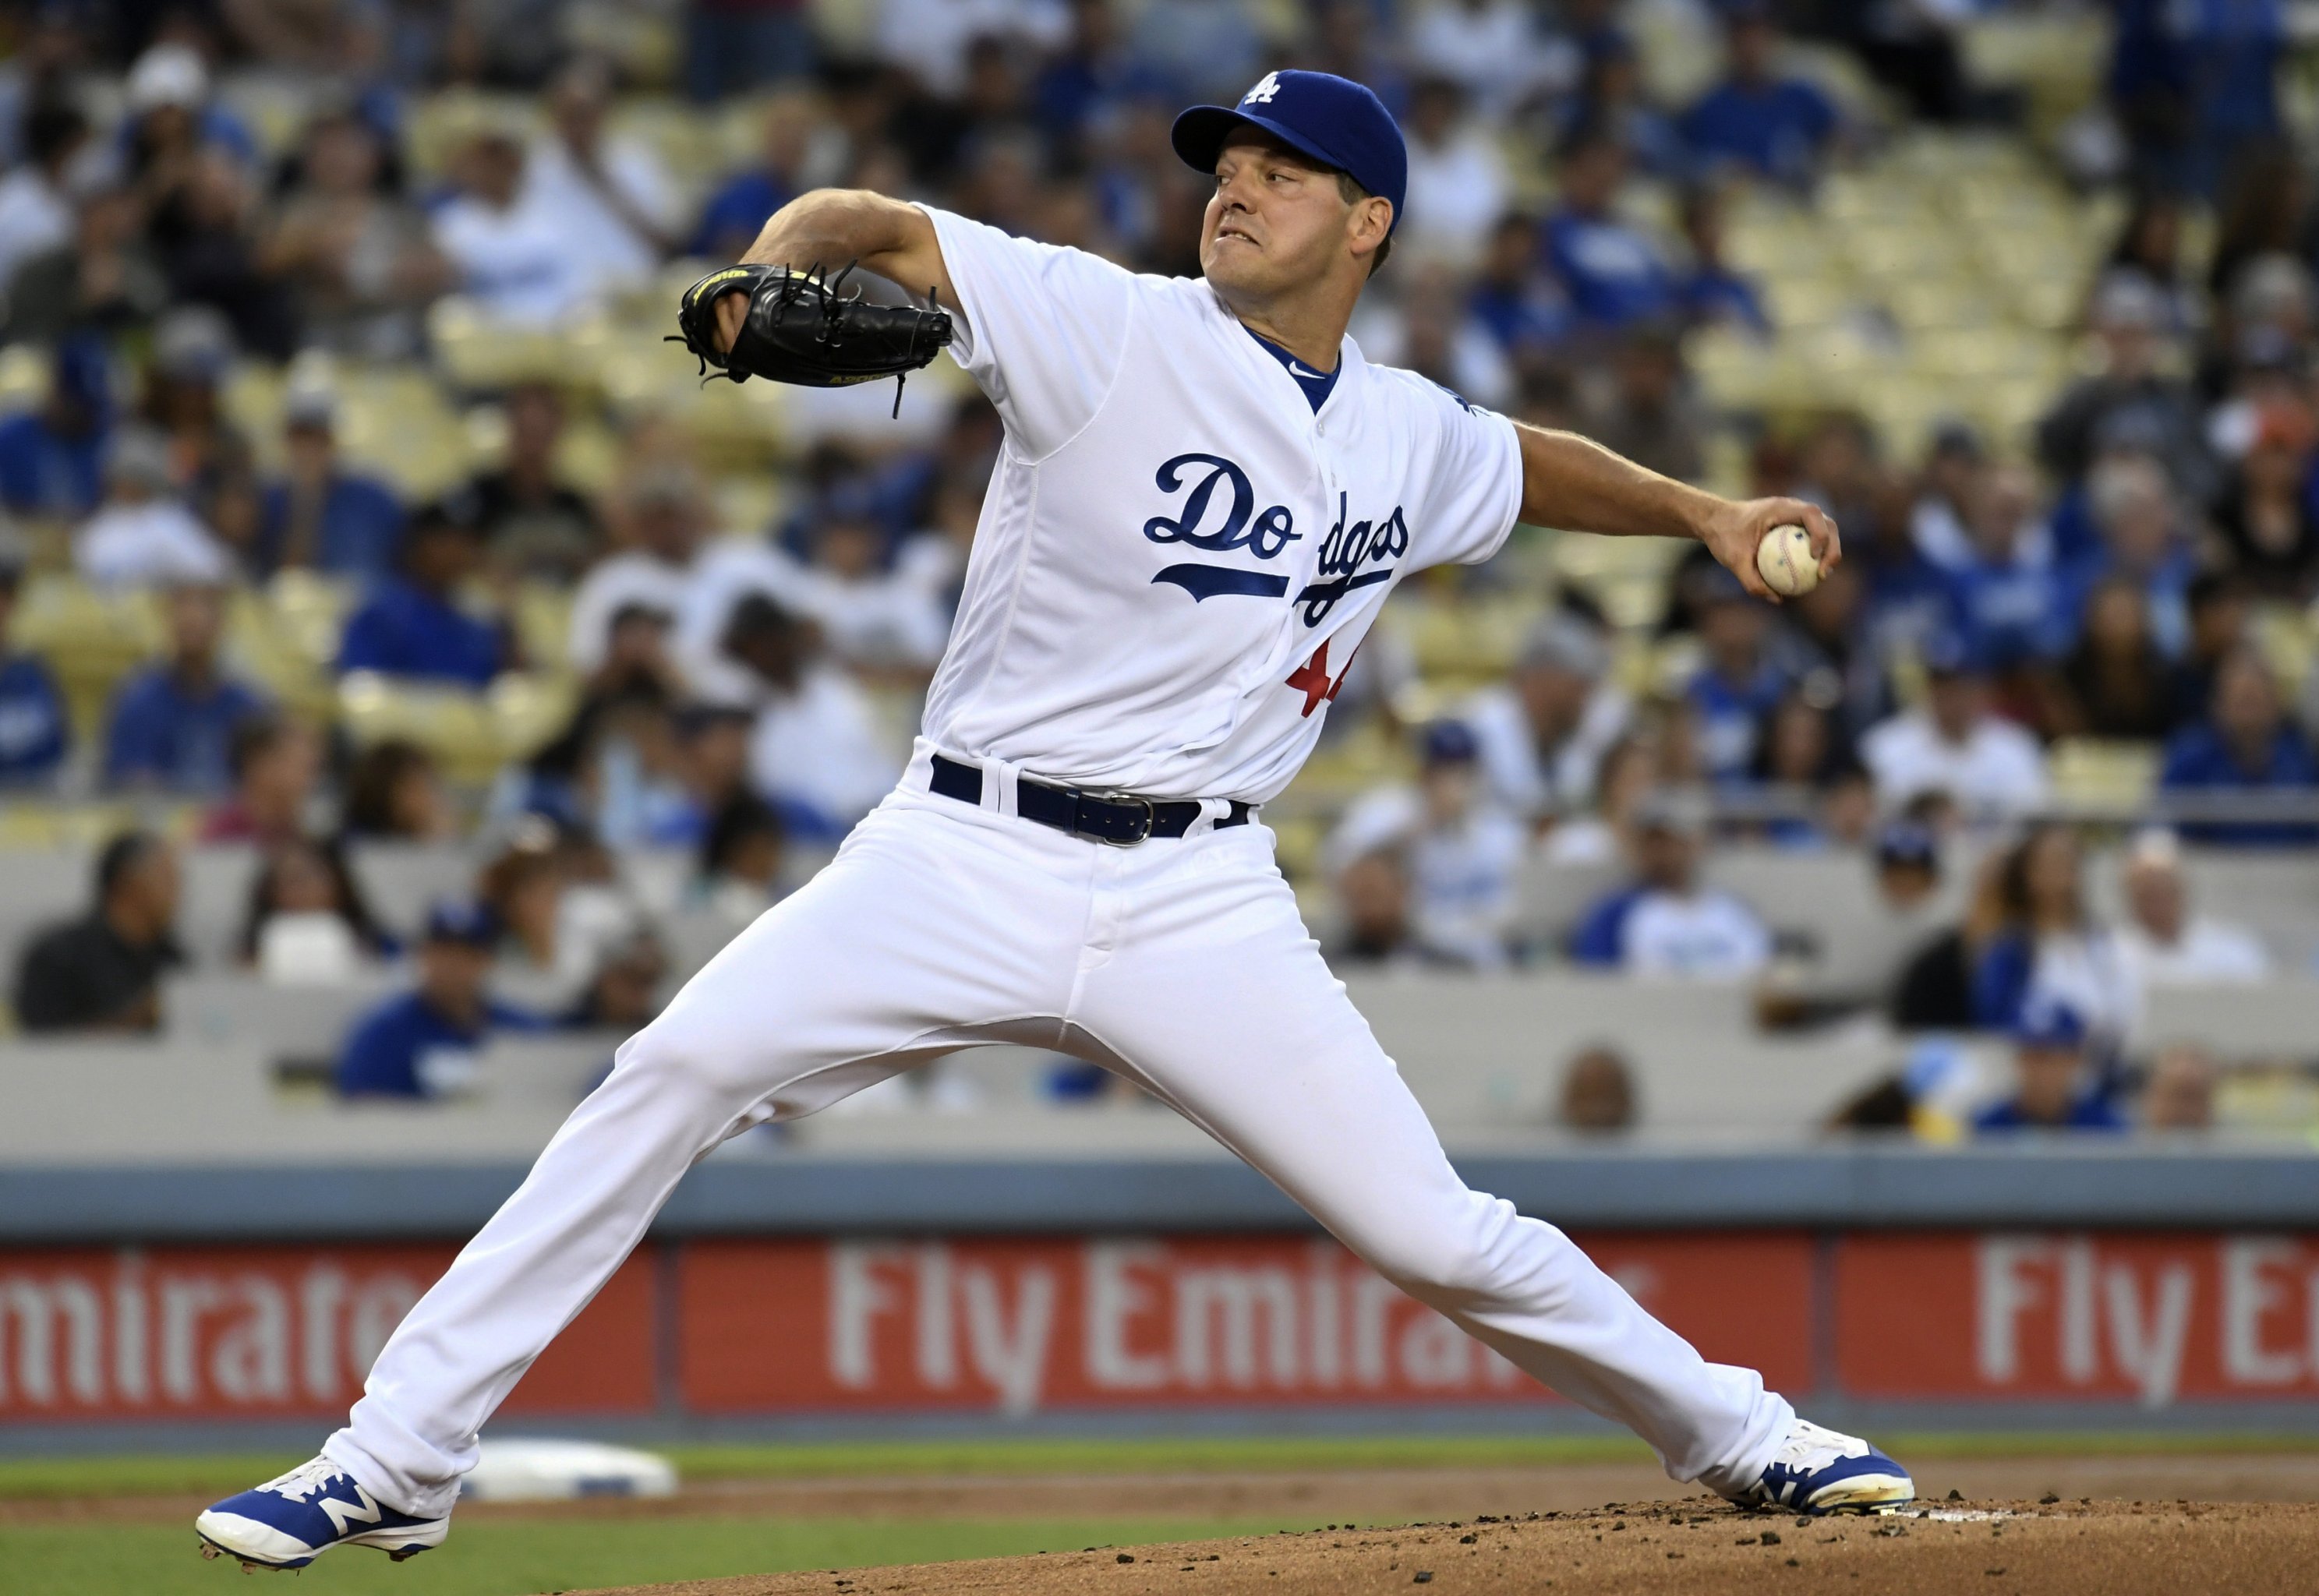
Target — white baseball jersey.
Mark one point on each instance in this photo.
(1175, 560)
(1178, 556)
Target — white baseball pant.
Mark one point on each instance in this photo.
(1184, 966)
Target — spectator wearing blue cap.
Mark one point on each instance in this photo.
(2052, 1088)
(52, 458)
(423, 1043)
(1863, 966)
(1461, 851)
(2246, 745)
(1956, 745)
(34, 733)
(1773, 126)
(411, 624)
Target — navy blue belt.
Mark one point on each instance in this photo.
(1120, 818)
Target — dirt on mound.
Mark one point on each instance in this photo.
(1988, 1549)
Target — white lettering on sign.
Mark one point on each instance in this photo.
(2006, 1290)
(2123, 1312)
(858, 1294)
(140, 1331)
(1013, 1358)
(1115, 1298)
(2253, 1295)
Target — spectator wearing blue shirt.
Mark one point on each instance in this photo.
(2193, 82)
(1667, 923)
(2145, 540)
(1713, 292)
(1611, 95)
(1516, 302)
(2246, 745)
(52, 459)
(1088, 79)
(734, 216)
(1776, 127)
(2053, 1090)
(1738, 685)
(173, 723)
(412, 627)
(320, 516)
(2049, 947)
(33, 730)
(733, 46)
(2008, 599)
(423, 1043)
(1614, 272)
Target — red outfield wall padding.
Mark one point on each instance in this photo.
(1021, 1325)
(2147, 1318)
(250, 1332)
(1018, 1325)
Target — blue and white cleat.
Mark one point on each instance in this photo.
(1817, 1470)
(287, 1523)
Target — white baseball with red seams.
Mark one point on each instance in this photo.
(1785, 561)
(1175, 560)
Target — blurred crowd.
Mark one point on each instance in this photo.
(191, 191)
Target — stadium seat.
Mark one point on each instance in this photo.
(401, 880)
(91, 638)
(472, 733)
(2093, 777)
(293, 1022)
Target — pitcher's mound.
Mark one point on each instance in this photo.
(1982, 1548)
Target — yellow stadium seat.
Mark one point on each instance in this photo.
(478, 352)
(543, 624)
(91, 638)
(51, 826)
(2105, 776)
(24, 377)
(473, 735)
(441, 122)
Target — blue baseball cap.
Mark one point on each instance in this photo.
(1905, 842)
(2051, 1025)
(1949, 652)
(1450, 743)
(462, 921)
(1335, 120)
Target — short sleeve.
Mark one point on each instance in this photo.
(1475, 496)
(1045, 327)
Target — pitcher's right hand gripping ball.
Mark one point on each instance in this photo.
(799, 329)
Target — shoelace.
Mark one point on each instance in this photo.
(308, 1479)
(1809, 1445)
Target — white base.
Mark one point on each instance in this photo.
(523, 1470)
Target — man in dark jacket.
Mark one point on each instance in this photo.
(103, 972)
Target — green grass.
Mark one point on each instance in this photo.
(501, 1556)
(217, 1474)
(511, 1557)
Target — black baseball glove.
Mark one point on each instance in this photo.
(801, 329)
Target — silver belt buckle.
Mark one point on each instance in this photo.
(1151, 817)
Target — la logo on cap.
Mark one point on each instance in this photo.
(1261, 94)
